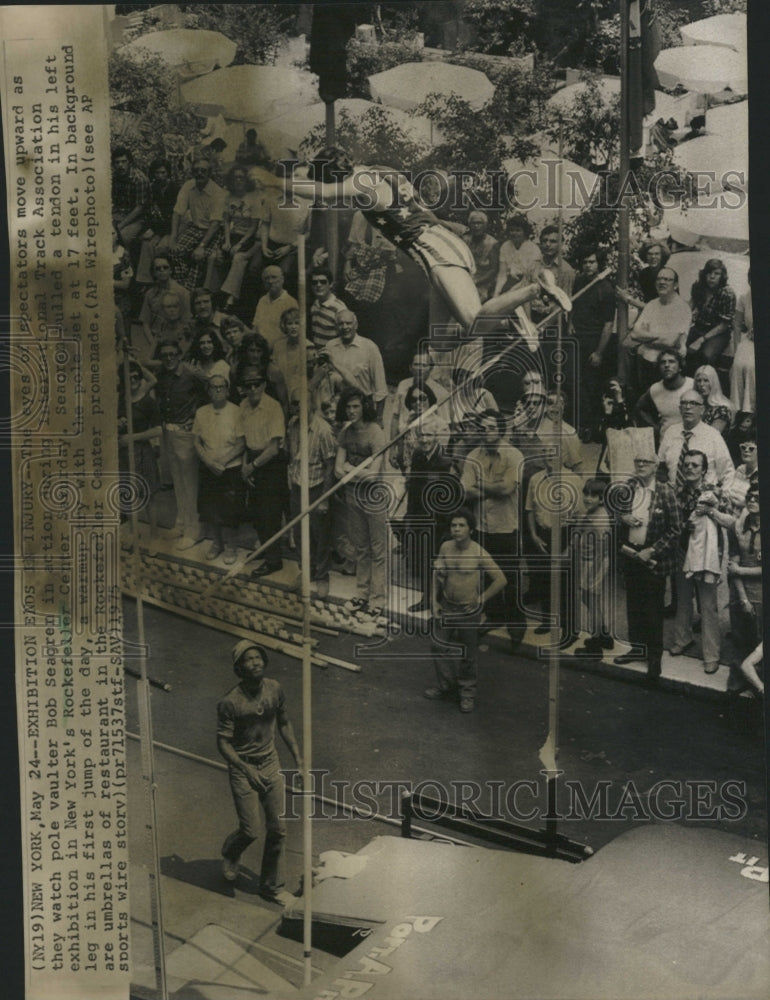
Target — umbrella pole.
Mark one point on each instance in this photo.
(307, 649)
(332, 219)
(625, 165)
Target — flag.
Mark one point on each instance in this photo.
(643, 47)
(333, 27)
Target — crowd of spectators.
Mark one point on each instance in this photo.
(207, 291)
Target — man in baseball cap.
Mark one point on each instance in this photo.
(246, 721)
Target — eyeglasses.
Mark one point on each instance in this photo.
(217, 386)
(748, 447)
(254, 383)
(319, 281)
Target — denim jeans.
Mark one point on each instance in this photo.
(249, 805)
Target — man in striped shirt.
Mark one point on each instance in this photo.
(326, 307)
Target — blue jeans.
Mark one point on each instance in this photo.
(249, 803)
(453, 672)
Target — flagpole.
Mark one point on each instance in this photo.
(624, 220)
(332, 219)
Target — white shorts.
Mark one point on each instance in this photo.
(439, 247)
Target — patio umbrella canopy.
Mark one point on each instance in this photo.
(252, 94)
(727, 30)
(408, 85)
(190, 52)
(545, 183)
(286, 133)
(609, 87)
(721, 155)
(729, 120)
(705, 69)
(717, 227)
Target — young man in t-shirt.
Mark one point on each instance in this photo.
(246, 722)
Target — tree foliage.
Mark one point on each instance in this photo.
(145, 112)
(259, 29)
(371, 138)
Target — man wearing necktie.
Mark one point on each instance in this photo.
(650, 526)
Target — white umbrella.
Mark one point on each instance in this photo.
(688, 264)
(609, 87)
(189, 51)
(730, 120)
(705, 69)
(286, 133)
(544, 183)
(406, 86)
(252, 94)
(717, 155)
(717, 226)
(666, 105)
(723, 29)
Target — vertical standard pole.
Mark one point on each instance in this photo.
(556, 581)
(145, 719)
(307, 716)
(625, 166)
(332, 219)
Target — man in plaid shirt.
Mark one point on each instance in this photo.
(650, 527)
(130, 195)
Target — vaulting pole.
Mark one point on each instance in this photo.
(145, 713)
(307, 649)
(550, 750)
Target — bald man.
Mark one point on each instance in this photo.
(357, 360)
(272, 305)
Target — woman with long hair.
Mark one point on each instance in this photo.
(718, 411)
(389, 202)
(713, 308)
(243, 211)
(743, 379)
(207, 355)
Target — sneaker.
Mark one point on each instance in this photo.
(231, 556)
(547, 282)
(230, 869)
(466, 705)
(186, 542)
(214, 551)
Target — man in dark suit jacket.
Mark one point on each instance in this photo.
(650, 526)
(433, 493)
